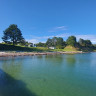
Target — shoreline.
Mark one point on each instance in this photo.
(14, 54)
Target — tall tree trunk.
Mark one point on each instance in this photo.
(13, 42)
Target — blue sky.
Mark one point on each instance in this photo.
(41, 19)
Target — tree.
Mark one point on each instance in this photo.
(49, 42)
(88, 43)
(57, 42)
(71, 41)
(54, 41)
(81, 42)
(60, 43)
(85, 43)
(40, 44)
(13, 34)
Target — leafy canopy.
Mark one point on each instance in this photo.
(13, 34)
(71, 41)
(57, 42)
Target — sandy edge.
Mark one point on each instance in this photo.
(13, 54)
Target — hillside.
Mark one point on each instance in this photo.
(70, 48)
(67, 49)
(6, 47)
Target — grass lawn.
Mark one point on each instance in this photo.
(7, 47)
(67, 49)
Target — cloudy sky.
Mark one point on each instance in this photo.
(42, 19)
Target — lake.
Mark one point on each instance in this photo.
(48, 75)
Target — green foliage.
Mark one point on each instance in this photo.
(13, 35)
(67, 49)
(61, 43)
(70, 48)
(94, 46)
(59, 47)
(85, 43)
(54, 41)
(81, 42)
(57, 42)
(88, 43)
(71, 41)
(41, 44)
(49, 42)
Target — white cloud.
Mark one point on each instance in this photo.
(63, 35)
(1, 41)
(32, 40)
(36, 39)
(60, 28)
(59, 35)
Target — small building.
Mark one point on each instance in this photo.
(30, 45)
(34, 45)
(52, 47)
(26, 45)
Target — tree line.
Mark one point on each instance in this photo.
(13, 35)
(59, 43)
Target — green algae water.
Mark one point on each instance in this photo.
(48, 75)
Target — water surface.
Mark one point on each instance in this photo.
(48, 75)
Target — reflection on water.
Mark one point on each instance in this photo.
(71, 60)
(48, 75)
(56, 60)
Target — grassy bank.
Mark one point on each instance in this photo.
(67, 49)
(6, 47)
